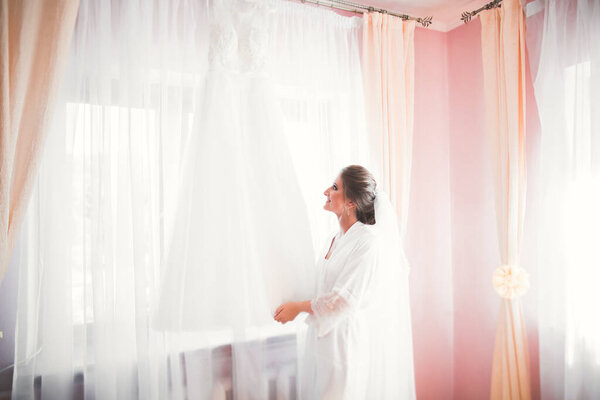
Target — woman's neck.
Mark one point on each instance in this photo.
(346, 221)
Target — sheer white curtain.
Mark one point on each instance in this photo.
(567, 91)
(96, 232)
(98, 227)
(318, 77)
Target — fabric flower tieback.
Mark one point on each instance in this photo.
(510, 281)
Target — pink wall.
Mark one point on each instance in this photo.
(474, 238)
(428, 245)
(452, 227)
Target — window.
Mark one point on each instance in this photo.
(582, 221)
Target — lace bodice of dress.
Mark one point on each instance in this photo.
(238, 36)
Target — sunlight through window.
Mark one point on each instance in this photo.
(582, 223)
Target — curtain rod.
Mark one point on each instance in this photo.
(467, 15)
(361, 9)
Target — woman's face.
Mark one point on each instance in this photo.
(335, 197)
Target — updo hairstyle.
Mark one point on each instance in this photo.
(360, 188)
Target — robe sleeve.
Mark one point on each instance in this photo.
(350, 288)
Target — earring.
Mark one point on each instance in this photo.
(347, 211)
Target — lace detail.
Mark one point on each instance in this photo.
(238, 36)
(253, 50)
(331, 308)
(223, 45)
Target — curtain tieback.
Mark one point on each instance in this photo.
(510, 281)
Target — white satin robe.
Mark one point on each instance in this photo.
(354, 349)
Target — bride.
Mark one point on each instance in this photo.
(359, 341)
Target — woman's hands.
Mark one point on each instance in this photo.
(289, 311)
(286, 312)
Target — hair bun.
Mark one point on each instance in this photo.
(361, 188)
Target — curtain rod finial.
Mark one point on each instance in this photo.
(466, 17)
(425, 21)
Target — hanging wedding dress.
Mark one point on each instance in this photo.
(359, 341)
(241, 243)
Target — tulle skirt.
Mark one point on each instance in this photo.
(241, 242)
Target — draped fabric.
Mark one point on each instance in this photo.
(503, 52)
(237, 145)
(34, 41)
(567, 92)
(102, 216)
(389, 75)
(319, 84)
(97, 227)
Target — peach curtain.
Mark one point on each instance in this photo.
(503, 52)
(389, 73)
(34, 43)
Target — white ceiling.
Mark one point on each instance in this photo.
(446, 13)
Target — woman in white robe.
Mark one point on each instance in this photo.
(359, 341)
